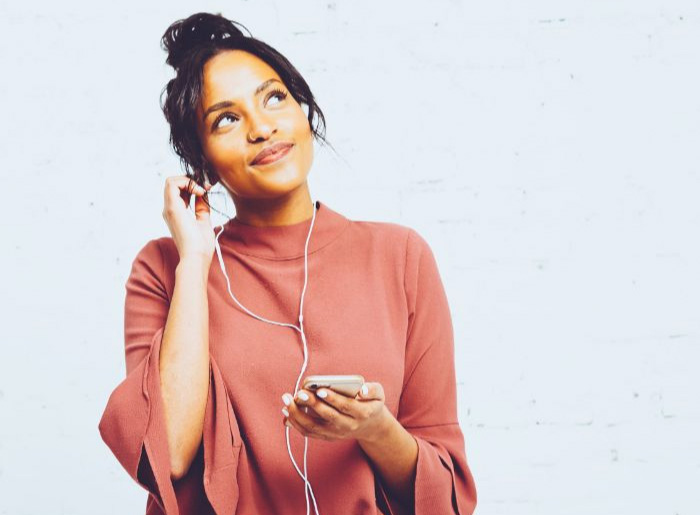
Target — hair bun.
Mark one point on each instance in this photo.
(195, 31)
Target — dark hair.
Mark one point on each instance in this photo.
(190, 43)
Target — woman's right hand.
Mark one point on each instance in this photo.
(193, 235)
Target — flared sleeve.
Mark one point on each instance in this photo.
(428, 405)
(133, 422)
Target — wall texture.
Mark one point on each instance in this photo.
(548, 151)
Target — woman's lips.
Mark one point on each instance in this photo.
(275, 156)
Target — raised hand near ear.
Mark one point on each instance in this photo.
(193, 235)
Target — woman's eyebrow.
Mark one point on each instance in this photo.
(227, 103)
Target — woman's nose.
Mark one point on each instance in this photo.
(260, 127)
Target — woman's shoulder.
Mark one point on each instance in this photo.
(159, 257)
(159, 249)
(390, 235)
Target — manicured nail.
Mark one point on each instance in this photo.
(285, 412)
(322, 393)
(303, 396)
(365, 390)
(286, 398)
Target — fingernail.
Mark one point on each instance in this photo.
(286, 399)
(322, 393)
(285, 412)
(303, 396)
(365, 390)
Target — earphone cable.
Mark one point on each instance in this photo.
(307, 485)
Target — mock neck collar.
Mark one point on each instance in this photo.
(278, 242)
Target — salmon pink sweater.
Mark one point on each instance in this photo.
(374, 305)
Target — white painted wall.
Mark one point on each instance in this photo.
(548, 151)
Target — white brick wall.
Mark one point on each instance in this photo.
(548, 151)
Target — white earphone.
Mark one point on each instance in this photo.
(300, 328)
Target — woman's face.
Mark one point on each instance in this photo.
(245, 108)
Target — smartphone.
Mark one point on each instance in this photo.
(346, 384)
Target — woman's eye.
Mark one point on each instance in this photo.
(218, 125)
(281, 95)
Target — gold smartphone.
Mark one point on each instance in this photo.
(346, 384)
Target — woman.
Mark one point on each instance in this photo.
(211, 411)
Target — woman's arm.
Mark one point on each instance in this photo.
(419, 455)
(393, 451)
(133, 424)
(184, 363)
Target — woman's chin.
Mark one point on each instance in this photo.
(278, 178)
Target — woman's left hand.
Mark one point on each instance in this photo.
(334, 416)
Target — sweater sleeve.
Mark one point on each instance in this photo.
(133, 422)
(428, 403)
